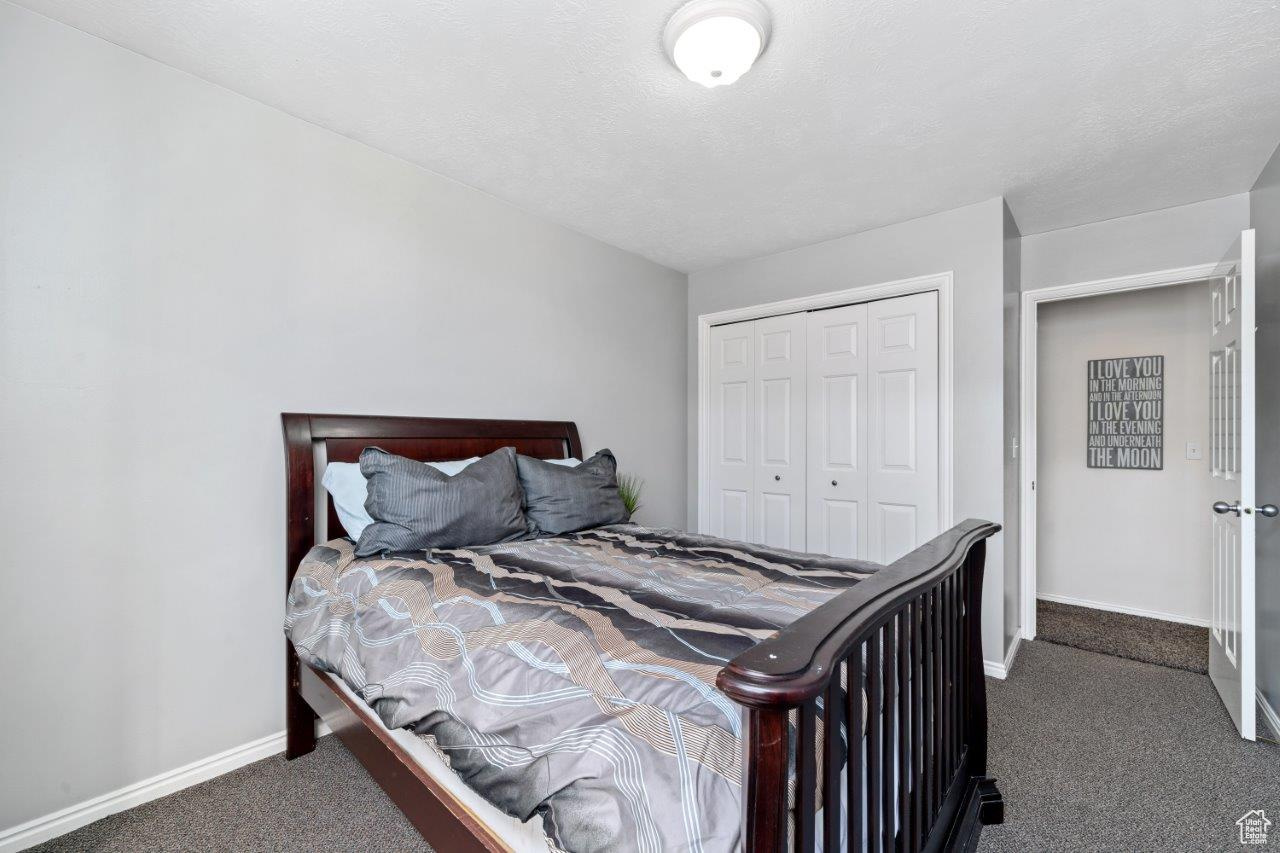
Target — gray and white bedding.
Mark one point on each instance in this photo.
(570, 677)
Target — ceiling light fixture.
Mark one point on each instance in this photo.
(714, 42)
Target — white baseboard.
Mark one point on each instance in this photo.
(1269, 713)
(1121, 608)
(61, 822)
(1001, 670)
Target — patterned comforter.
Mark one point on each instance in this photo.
(571, 677)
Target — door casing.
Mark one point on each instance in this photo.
(1031, 300)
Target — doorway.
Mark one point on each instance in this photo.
(1123, 474)
(1106, 440)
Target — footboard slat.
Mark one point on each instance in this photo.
(940, 694)
(928, 663)
(833, 759)
(888, 763)
(907, 727)
(948, 680)
(906, 628)
(806, 776)
(856, 720)
(875, 702)
(767, 768)
(954, 643)
(917, 728)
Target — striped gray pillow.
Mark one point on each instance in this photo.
(415, 507)
(559, 499)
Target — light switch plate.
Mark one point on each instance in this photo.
(1193, 450)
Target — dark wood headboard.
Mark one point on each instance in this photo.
(311, 439)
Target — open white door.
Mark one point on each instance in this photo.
(1231, 441)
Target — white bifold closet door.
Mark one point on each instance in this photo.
(758, 431)
(780, 428)
(873, 428)
(902, 464)
(824, 429)
(732, 440)
(837, 447)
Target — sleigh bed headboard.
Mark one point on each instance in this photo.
(311, 441)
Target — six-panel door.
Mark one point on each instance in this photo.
(837, 428)
(781, 359)
(733, 435)
(903, 442)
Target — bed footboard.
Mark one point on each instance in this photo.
(896, 662)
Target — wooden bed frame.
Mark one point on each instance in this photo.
(909, 636)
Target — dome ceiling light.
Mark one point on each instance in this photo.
(714, 42)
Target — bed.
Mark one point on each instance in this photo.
(771, 674)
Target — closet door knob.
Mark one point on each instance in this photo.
(777, 476)
(834, 483)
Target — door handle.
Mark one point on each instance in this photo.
(1269, 510)
(1222, 507)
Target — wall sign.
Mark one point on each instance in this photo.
(1126, 413)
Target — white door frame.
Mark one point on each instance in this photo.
(1027, 344)
(941, 282)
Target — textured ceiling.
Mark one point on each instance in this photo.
(859, 114)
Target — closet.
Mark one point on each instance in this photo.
(824, 429)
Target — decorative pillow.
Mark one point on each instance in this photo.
(561, 499)
(414, 506)
(350, 490)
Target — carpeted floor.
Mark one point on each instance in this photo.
(1133, 637)
(321, 802)
(1100, 753)
(1092, 753)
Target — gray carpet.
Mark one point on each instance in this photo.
(1099, 753)
(324, 801)
(1093, 753)
(1120, 634)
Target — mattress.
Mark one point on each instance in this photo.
(570, 679)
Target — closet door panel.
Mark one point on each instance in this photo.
(780, 431)
(897, 529)
(903, 439)
(732, 431)
(836, 502)
(837, 531)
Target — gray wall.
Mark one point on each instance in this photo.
(180, 265)
(967, 241)
(1264, 215)
(1199, 233)
(1012, 310)
(1147, 538)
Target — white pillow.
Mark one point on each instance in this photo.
(568, 463)
(349, 489)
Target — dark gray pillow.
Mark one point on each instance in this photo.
(559, 499)
(415, 506)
